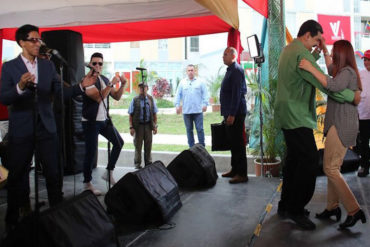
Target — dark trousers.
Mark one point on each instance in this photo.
(238, 152)
(299, 171)
(364, 143)
(21, 150)
(92, 129)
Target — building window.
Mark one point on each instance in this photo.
(102, 45)
(162, 44)
(194, 44)
(135, 44)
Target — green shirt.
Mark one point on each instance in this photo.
(295, 104)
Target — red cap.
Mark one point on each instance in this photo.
(366, 54)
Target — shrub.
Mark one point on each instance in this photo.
(161, 88)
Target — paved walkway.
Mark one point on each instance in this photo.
(159, 138)
(162, 139)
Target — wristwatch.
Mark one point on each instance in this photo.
(110, 84)
(131, 127)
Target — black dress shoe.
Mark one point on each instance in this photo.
(327, 213)
(351, 220)
(363, 172)
(229, 174)
(303, 221)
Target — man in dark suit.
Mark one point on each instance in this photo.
(22, 78)
(234, 110)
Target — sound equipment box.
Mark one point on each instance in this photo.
(78, 222)
(351, 162)
(148, 196)
(194, 168)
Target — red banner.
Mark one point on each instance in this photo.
(261, 6)
(335, 27)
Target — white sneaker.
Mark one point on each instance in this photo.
(105, 177)
(89, 186)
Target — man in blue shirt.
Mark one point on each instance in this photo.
(194, 96)
(234, 110)
(143, 126)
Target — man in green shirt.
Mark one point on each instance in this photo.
(295, 114)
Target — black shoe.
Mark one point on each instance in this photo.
(303, 221)
(327, 213)
(363, 172)
(351, 220)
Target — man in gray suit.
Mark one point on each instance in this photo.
(20, 77)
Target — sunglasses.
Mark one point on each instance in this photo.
(95, 63)
(34, 40)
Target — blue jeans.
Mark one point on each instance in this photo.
(91, 130)
(197, 118)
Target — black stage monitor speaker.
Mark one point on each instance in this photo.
(144, 197)
(69, 45)
(351, 162)
(194, 168)
(79, 222)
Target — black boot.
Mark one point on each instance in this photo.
(363, 172)
(327, 213)
(351, 220)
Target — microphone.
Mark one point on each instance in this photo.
(54, 52)
(57, 54)
(31, 86)
(139, 68)
(91, 68)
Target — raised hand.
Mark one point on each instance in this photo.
(26, 78)
(89, 79)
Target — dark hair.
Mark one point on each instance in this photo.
(97, 54)
(23, 31)
(343, 55)
(310, 26)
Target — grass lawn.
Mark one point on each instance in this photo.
(163, 147)
(169, 124)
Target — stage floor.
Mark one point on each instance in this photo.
(232, 215)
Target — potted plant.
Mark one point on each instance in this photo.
(273, 141)
(214, 86)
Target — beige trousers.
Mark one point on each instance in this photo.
(338, 189)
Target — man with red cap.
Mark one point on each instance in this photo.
(364, 117)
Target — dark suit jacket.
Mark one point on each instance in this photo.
(233, 89)
(20, 110)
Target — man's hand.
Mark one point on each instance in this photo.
(230, 120)
(155, 130)
(25, 79)
(357, 98)
(178, 110)
(89, 79)
(123, 80)
(204, 108)
(115, 80)
(132, 131)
